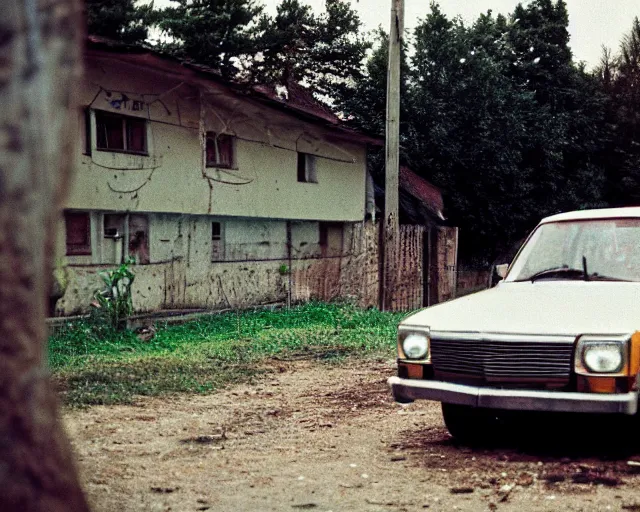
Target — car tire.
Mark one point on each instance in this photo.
(471, 425)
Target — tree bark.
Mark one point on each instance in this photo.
(40, 62)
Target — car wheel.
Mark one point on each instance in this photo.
(471, 425)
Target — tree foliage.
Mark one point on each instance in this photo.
(120, 20)
(215, 33)
(325, 52)
(620, 77)
(499, 116)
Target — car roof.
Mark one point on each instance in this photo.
(604, 213)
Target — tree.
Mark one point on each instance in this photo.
(510, 124)
(620, 77)
(216, 33)
(364, 104)
(470, 126)
(499, 117)
(120, 20)
(324, 52)
(41, 59)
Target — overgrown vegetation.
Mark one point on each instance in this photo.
(92, 366)
(113, 304)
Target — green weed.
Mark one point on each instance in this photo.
(94, 365)
(112, 305)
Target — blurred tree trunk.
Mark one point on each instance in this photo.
(40, 62)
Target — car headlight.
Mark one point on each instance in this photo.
(413, 342)
(601, 356)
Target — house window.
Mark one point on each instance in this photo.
(139, 238)
(217, 242)
(323, 235)
(86, 118)
(330, 239)
(138, 232)
(78, 233)
(121, 133)
(307, 168)
(220, 150)
(113, 225)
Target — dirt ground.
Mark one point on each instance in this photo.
(317, 436)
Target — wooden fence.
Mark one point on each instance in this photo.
(356, 274)
(408, 291)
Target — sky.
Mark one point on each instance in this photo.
(592, 23)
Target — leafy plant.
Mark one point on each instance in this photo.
(113, 304)
(283, 270)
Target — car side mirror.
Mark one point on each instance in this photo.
(501, 270)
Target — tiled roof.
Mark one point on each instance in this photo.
(298, 97)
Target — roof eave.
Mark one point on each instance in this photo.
(199, 75)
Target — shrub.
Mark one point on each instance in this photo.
(113, 304)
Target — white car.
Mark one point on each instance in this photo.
(560, 332)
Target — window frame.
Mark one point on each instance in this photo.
(125, 120)
(141, 253)
(307, 168)
(213, 136)
(220, 239)
(86, 119)
(84, 249)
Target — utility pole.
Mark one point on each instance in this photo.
(392, 154)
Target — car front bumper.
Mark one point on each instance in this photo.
(407, 390)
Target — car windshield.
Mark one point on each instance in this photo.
(608, 249)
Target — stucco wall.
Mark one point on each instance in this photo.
(172, 177)
(181, 272)
(182, 275)
(175, 285)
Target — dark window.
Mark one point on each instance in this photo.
(216, 231)
(307, 168)
(113, 225)
(217, 243)
(121, 133)
(302, 167)
(324, 234)
(136, 135)
(220, 150)
(78, 233)
(139, 238)
(87, 130)
(330, 238)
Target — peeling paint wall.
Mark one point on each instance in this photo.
(182, 275)
(190, 280)
(353, 274)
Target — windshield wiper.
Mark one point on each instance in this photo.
(570, 273)
(565, 272)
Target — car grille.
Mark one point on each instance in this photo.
(503, 360)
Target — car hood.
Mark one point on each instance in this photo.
(542, 307)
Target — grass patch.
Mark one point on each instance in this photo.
(93, 365)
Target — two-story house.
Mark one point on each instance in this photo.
(223, 194)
